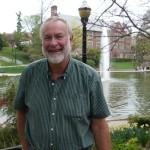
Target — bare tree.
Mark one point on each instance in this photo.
(45, 7)
(136, 23)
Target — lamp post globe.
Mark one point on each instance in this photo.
(84, 12)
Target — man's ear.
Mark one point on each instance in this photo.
(71, 39)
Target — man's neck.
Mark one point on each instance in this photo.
(57, 70)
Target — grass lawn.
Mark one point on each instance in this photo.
(121, 65)
(15, 69)
(21, 56)
(9, 53)
(114, 66)
(5, 63)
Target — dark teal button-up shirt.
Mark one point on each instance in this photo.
(59, 112)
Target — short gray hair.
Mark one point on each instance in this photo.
(55, 18)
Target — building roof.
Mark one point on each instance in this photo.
(74, 20)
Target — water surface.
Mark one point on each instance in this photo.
(128, 93)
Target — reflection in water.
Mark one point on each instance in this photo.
(128, 93)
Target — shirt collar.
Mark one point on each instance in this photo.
(67, 71)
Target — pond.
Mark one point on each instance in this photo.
(127, 93)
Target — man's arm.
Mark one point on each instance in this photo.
(21, 120)
(101, 134)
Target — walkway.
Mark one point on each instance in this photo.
(10, 74)
(11, 60)
(120, 122)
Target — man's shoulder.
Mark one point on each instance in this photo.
(37, 62)
(84, 67)
(36, 67)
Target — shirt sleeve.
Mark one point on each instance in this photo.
(99, 107)
(19, 101)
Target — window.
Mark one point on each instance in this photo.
(98, 34)
(98, 44)
(127, 38)
(90, 37)
(98, 39)
(89, 44)
(128, 47)
(90, 33)
(121, 46)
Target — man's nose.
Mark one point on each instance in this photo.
(53, 41)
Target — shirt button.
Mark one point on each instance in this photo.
(54, 98)
(52, 83)
(52, 129)
(51, 144)
(53, 114)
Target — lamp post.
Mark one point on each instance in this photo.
(84, 12)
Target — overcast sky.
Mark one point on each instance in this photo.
(9, 8)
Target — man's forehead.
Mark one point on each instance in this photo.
(57, 26)
(56, 22)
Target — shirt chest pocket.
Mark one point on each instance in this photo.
(75, 106)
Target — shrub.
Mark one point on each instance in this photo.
(121, 60)
(133, 136)
(143, 134)
(91, 63)
(140, 121)
(8, 137)
(130, 145)
(94, 54)
(120, 135)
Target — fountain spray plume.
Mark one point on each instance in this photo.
(105, 55)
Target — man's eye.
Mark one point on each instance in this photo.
(59, 37)
(47, 38)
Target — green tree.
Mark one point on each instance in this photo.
(142, 48)
(31, 26)
(18, 33)
(3, 41)
(77, 35)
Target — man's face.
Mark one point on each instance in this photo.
(56, 43)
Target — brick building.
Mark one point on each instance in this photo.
(118, 48)
(120, 41)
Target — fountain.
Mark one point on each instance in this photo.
(105, 56)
